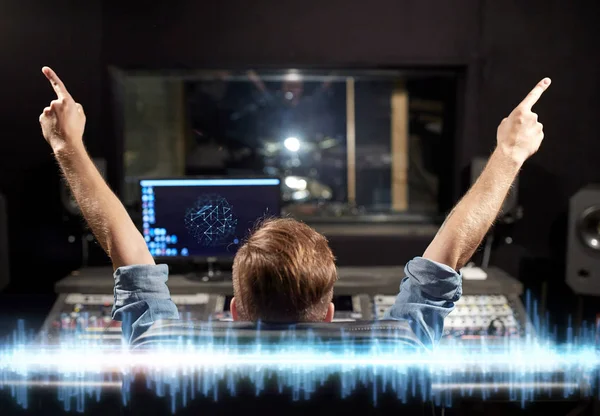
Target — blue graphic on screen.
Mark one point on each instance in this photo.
(204, 217)
(211, 221)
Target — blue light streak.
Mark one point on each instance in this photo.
(524, 368)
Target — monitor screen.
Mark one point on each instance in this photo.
(204, 217)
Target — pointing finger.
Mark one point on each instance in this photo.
(57, 84)
(535, 94)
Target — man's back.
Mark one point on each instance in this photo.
(427, 295)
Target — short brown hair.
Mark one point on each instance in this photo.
(284, 272)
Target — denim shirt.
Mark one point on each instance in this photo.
(427, 295)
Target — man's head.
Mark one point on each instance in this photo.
(285, 272)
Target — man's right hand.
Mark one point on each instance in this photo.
(63, 122)
(520, 134)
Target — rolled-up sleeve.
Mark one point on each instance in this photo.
(141, 298)
(427, 295)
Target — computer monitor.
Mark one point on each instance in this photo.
(204, 218)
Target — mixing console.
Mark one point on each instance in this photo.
(88, 316)
(475, 316)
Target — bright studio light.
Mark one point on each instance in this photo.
(292, 76)
(292, 144)
(296, 183)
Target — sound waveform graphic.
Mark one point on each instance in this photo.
(183, 370)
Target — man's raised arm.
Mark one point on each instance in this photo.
(432, 284)
(519, 136)
(63, 123)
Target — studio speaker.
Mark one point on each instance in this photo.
(4, 265)
(583, 242)
(510, 208)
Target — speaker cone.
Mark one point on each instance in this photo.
(588, 228)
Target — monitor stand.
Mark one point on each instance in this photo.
(211, 273)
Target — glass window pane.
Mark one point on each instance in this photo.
(346, 144)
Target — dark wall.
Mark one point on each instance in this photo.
(65, 35)
(297, 32)
(523, 42)
(504, 47)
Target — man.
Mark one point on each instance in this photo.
(286, 271)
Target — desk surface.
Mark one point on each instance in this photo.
(352, 281)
